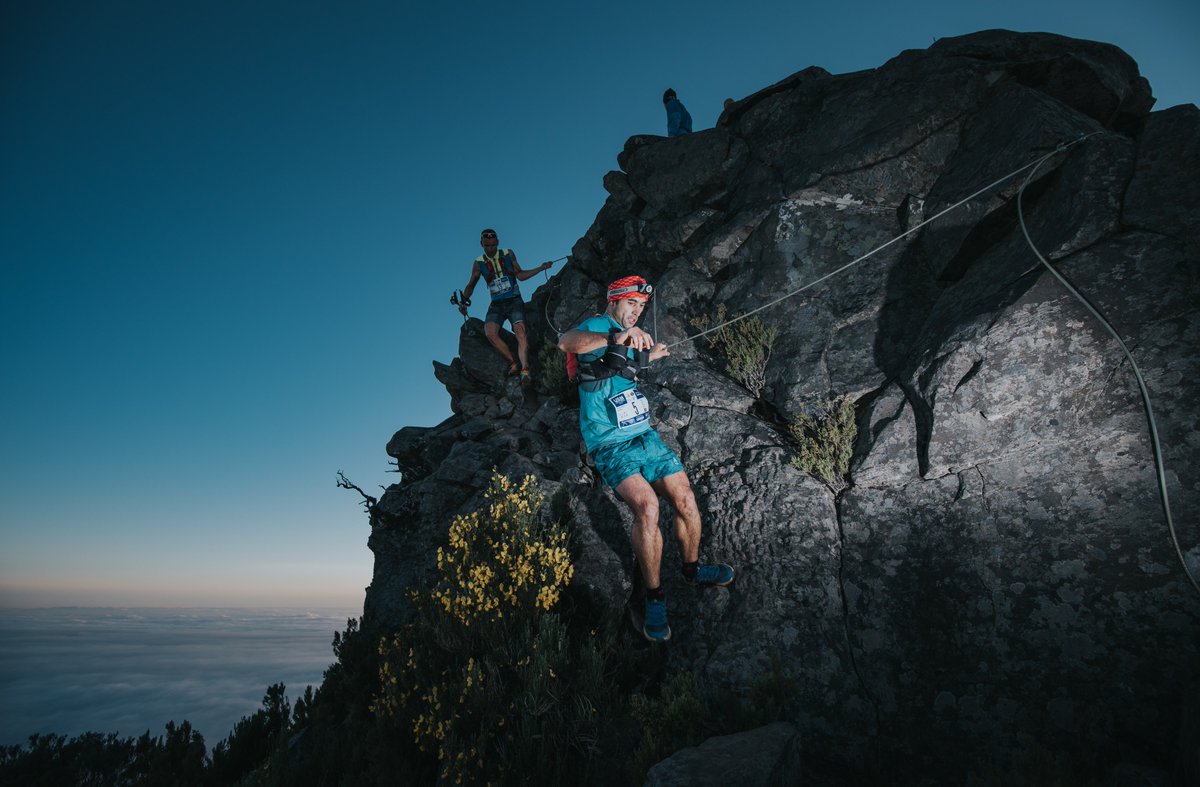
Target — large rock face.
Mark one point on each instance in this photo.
(998, 576)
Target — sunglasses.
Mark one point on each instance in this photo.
(488, 235)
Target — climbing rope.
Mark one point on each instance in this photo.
(1159, 465)
(1061, 147)
(559, 332)
(654, 318)
(1033, 168)
(546, 303)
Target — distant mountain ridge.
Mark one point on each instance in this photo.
(996, 576)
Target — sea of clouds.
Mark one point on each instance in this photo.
(73, 670)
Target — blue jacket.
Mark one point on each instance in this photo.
(679, 122)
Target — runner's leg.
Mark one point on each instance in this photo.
(522, 344)
(646, 537)
(492, 331)
(678, 490)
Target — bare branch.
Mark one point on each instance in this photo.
(367, 501)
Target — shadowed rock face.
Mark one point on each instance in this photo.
(998, 577)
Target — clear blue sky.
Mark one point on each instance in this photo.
(229, 232)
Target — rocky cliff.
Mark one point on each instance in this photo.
(997, 575)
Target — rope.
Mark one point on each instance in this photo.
(1159, 465)
(1061, 147)
(546, 303)
(1033, 167)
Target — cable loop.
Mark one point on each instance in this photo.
(1159, 464)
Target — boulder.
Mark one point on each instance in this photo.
(766, 757)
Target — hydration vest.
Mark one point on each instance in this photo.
(613, 363)
(503, 261)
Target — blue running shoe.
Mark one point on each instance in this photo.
(715, 574)
(655, 628)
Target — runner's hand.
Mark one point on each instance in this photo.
(635, 337)
(659, 351)
(462, 310)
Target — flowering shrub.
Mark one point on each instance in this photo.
(503, 561)
(488, 681)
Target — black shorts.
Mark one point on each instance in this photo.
(511, 309)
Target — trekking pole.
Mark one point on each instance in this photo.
(458, 299)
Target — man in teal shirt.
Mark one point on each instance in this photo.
(614, 418)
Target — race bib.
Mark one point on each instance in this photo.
(501, 285)
(632, 408)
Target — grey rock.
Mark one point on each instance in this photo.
(677, 176)
(1162, 195)
(997, 575)
(766, 757)
(1187, 765)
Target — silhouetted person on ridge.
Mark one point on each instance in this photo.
(679, 122)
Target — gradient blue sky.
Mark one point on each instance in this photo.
(228, 233)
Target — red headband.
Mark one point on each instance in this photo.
(629, 287)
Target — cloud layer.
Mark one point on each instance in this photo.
(71, 670)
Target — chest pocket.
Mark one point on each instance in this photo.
(631, 408)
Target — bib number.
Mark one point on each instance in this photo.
(501, 285)
(632, 408)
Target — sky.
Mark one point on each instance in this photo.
(229, 233)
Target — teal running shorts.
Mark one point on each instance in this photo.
(645, 454)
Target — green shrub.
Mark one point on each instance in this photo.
(106, 759)
(745, 345)
(552, 372)
(825, 442)
(670, 722)
(253, 738)
(334, 738)
(762, 702)
(488, 681)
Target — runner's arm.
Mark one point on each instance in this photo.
(469, 289)
(471, 284)
(579, 342)
(523, 275)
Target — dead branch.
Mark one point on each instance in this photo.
(367, 501)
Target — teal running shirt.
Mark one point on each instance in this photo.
(612, 410)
